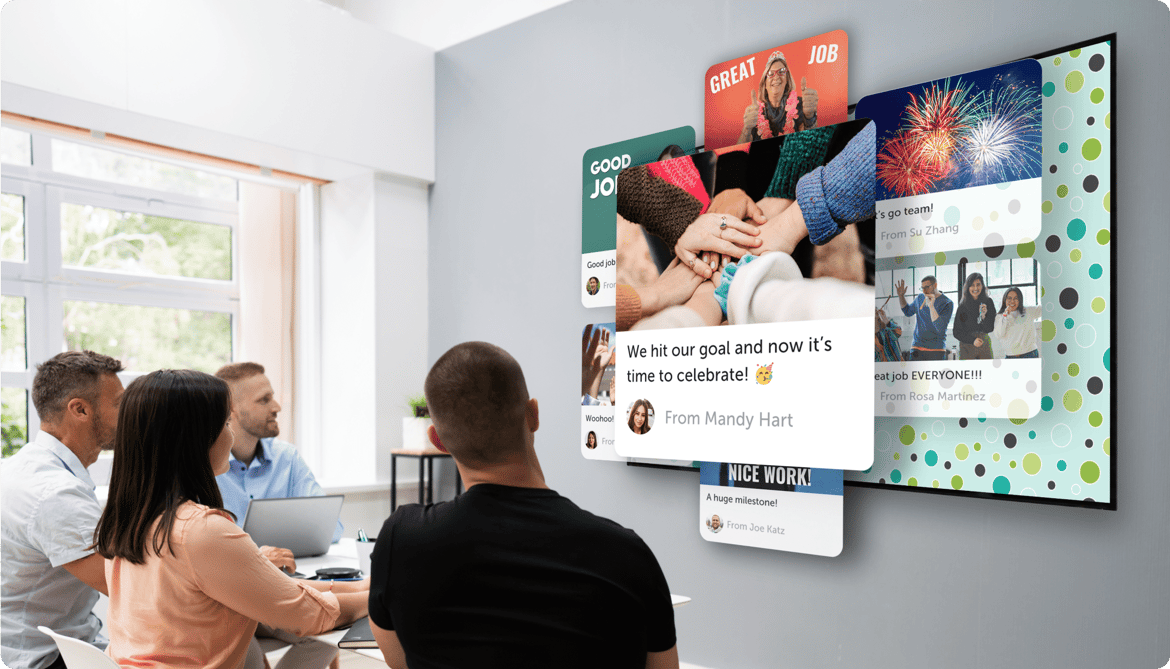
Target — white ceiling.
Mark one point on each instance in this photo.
(442, 23)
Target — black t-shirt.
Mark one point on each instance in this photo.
(967, 324)
(517, 577)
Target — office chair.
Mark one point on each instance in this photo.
(79, 654)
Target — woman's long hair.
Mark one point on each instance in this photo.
(966, 295)
(592, 436)
(646, 423)
(1019, 300)
(167, 423)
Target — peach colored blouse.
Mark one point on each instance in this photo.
(197, 606)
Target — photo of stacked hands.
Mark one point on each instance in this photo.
(774, 231)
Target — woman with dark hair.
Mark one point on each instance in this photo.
(591, 440)
(1014, 329)
(186, 584)
(639, 421)
(974, 319)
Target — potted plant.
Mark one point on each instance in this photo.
(414, 427)
(418, 406)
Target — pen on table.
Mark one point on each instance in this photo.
(362, 536)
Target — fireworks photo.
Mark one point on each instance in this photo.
(958, 162)
(974, 129)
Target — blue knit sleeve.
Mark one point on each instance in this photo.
(841, 192)
(725, 286)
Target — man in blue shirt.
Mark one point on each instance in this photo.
(932, 310)
(264, 467)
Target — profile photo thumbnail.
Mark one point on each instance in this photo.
(592, 285)
(640, 417)
(715, 523)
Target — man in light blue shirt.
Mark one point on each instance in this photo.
(261, 466)
(51, 575)
(264, 467)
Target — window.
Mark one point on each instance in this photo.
(1003, 274)
(12, 352)
(14, 356)
(15, 147)
(134, 243)
(887, 282)
(12, 227)
(15, 426)
(128, 256)
(94, 163)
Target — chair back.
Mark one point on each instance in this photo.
(79, 654)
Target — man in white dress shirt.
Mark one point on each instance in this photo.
(48, 511)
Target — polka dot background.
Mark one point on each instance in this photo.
(1064, 451)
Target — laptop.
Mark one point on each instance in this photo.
(358, 636)
(303, 525)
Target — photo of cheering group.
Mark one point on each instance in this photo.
(970, 311)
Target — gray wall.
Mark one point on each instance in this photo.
(923, 580)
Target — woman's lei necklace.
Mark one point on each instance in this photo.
(765, 129)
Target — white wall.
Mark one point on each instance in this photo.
(349, 393)
(291, 84)
(462, 19)
(373, 321)
(367, 510)
(400, 316)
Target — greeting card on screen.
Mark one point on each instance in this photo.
(771, 239)
(599, 234)
(958, 162)
(959, 334)
(777, 91)
(599, 364)
(795, 509)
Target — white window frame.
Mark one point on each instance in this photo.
(45, 284)
(310, 431)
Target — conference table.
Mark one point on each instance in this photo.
(344, 554)
(341, 554)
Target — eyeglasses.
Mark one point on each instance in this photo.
(777, 73)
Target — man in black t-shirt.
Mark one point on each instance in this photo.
(509, 574)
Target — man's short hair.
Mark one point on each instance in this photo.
(933, 281)
(238, 371)
(476, 396)
(68, 375)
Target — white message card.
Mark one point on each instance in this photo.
(795, 509)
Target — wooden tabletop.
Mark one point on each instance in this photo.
(417, 451)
